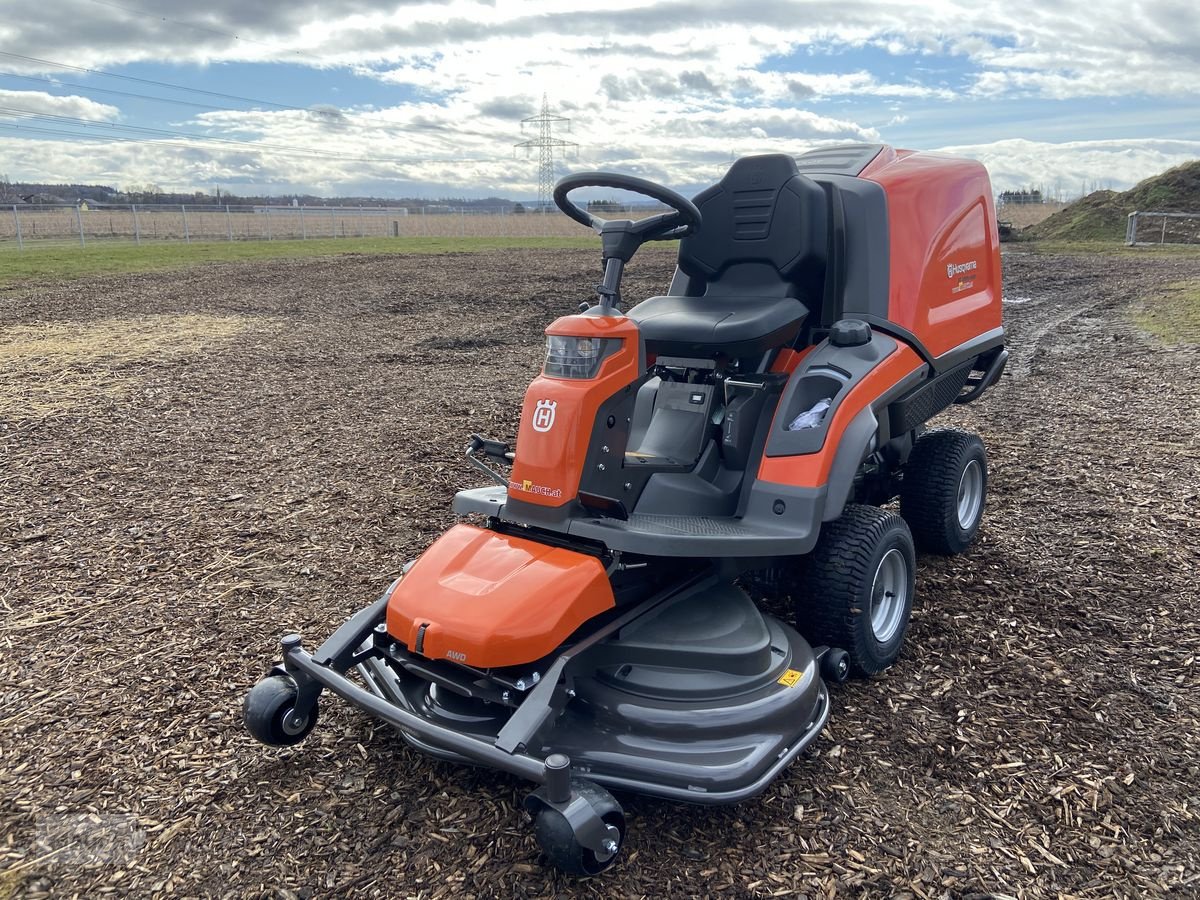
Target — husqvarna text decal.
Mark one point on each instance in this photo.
(543, 415)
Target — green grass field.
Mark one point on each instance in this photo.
(38, 264)
(1173, 314)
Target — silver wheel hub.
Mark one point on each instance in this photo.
(889, 596)
(970, 495)
(292, 723)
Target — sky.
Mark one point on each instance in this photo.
(394, 98)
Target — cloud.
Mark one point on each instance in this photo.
(667, 88)
(42, 103)
(508, 108)
(697, 81)
(799, 90)
(1063, 169)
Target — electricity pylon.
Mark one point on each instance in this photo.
(546, 143)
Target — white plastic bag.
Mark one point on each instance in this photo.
(811, 417)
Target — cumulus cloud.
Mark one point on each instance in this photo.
(665, 88)
(12, 103)
(1065, 168)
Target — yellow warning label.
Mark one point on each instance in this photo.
(790, 678)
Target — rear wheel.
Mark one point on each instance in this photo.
(854, 591)
(944, 490)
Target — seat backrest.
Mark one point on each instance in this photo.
(764, 234)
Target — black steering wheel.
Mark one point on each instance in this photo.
(683, 219)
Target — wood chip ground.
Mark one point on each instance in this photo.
(199, 462)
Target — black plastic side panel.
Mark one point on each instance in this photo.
(927, 400)
(828, 368)
(863, 248)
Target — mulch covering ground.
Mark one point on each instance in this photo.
(195, 463)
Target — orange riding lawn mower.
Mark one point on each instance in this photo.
(592, 627)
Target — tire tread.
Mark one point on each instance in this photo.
(837, 567)
(929, 489)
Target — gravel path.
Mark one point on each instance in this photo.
(224, 454)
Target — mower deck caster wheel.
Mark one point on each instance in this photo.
(835, 666)
(560, 842)
(270, 713)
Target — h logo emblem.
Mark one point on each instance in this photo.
(543, 415)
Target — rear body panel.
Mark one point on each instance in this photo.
(944, 248)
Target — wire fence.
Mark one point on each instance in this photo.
(24, 225)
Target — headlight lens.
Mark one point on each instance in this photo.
(576, 357)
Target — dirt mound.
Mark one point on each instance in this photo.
(1101, 216)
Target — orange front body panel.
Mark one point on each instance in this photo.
(944, 247)
(812, 469)
(492, 600)
(550, 457)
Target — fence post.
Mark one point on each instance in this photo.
(137, 227)
(269, 236)
(424, 224)
(1162, 238)
(187, 235)
(462, 221)
(228, 223)
(303, 225)
(1131, 229)
(79, 222)
(17, 219)
(332, 224)
(361, 233)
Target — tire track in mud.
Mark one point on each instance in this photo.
(1056, 291)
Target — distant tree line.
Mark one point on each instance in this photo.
(1020, 197)
(34, 192)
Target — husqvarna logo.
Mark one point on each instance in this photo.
(543, 415)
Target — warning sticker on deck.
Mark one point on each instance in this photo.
(790, 678)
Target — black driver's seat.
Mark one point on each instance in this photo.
(746, 276)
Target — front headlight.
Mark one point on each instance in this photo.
(576, 357)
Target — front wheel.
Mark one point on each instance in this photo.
(271, 716)
(560, 843)
(854, 590)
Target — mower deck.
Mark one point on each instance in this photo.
(709, 736)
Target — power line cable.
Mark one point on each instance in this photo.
(150, 81)
(101, 123)
(390, 129)
(81, 87)
(92, 136)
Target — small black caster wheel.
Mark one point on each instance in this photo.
(270, 713)
(835, 666)
(559, 842)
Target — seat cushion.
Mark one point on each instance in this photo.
(701, 326)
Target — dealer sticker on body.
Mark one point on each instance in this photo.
(790, 678)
